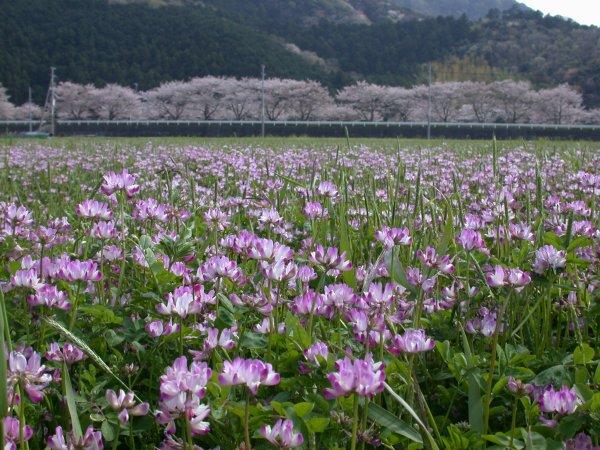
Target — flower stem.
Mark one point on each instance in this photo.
(181, 335)
(490, 380)
(22, 420)
(247, 421)
(122, 268)
(188, 432)
(354, 423)
(5, 324)
(513, 423)
(3, 387)
(116, 440)
(2, 432)
(75, 305)
(312, 307)
(363, 424)
(131, 439)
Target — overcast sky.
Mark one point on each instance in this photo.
(586, 12)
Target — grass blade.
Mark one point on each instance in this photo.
(388, 420)
(87, 350)
(414, 415)
(71, 405)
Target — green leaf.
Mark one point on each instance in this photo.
(145, 242)
(388, 420)
(320, 403)
(225, 302)
(108, 432)
(569, 425)
(150, 256)
(502, 440)
(552, 239)
(102, 313)
(475, 403)
(583, 354)
(302, 409)
(278, 407)
(112, 338)
(296, 331)
(95, 417)
(157, 267)
(581, 241)
(581, 375)
(399, 274)
(317, 424)
(526, 402)
(447, 233)
(253, 341)
(534, 441)
(225, 318)
(595, 403)
(500, 385)
(556, 375)
(584, 391)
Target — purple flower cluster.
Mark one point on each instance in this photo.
(252, 373)
(89, 441)
(27, 369)
(282, 434)
(412, 341)
(125, 404)
(514, 278)
(181, 390)
(361, 376)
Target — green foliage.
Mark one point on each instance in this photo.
(94, 41)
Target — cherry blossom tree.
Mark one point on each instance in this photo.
(402, 103)
(561, 104)
(276, 98)
(169, 101)
(27, 110)
(591, 117)
(210, 98)
(7, 109)
(206, 95)
(74, 101)
(306, 98)
(114, 102)
(515, 100)
(335, 112)
(370, 101)
(479, 98)
(446, 101)
(241, 98)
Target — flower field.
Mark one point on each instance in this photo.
(294, 296)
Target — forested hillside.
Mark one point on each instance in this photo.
(91, 41)
(137, 44)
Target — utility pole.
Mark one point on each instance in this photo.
(52, 100)
(262, 100)
(429, 104)
(30, 117)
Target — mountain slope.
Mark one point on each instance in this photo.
(309, 12)
(92, 41)
(474, 9)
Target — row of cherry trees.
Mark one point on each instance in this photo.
(214, 98)
(8, 111)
